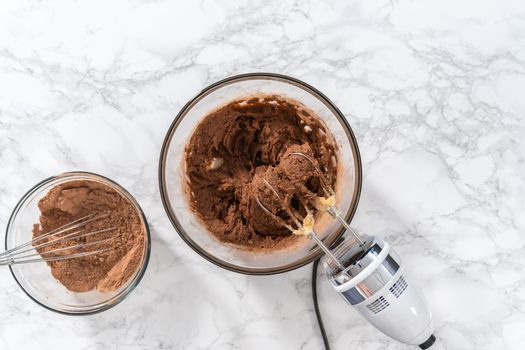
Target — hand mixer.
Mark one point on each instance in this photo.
(73, 232)
(365, 271)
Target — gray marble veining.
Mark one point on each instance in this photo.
(432, 89)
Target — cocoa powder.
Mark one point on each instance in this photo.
(106, 271)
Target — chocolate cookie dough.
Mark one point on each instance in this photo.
(106, 271)
(243, 142)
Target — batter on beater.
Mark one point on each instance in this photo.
(238, 147)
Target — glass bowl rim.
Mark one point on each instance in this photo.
(229, 81)
(117, 299)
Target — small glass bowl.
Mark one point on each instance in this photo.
(172, 177)
(36, 279)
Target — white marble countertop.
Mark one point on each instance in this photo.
(433, 90)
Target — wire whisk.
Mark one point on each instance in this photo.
(31, 251)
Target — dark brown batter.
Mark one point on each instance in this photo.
(237, 148)
(105, 271)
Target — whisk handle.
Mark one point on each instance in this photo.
(6, 262)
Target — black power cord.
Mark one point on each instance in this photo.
(316, 305)
(314, 295)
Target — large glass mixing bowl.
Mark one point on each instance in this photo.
(172, 178)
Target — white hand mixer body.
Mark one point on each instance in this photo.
(374, 282)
